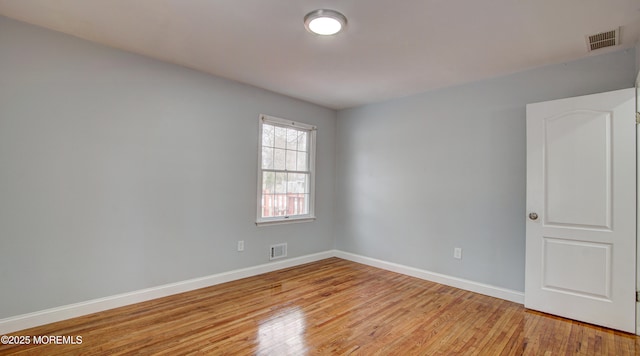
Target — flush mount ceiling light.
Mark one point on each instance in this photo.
(325, 22)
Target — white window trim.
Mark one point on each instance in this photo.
(260, 221)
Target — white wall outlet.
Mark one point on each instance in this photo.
(457, 253)
(241, 245)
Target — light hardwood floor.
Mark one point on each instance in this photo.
(324, 308)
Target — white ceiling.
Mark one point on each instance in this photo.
(390, 48)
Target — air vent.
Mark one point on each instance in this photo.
(603, 39)
(278, 251)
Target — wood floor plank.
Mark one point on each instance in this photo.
(329, 307)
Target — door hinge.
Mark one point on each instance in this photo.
(637, 118)
(637, 296)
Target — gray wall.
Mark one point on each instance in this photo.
(118, 172)
(421, 175)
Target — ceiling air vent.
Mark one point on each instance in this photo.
(603, 39)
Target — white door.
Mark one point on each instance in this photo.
(581, 207)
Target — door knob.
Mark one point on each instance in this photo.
(533, 216)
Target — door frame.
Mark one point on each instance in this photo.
(637, 206)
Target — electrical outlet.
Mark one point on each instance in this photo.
(457, 253)
(241, 245)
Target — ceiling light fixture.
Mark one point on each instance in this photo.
(325, 22)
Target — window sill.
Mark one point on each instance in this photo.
(285, 221)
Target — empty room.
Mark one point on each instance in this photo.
(274, 177)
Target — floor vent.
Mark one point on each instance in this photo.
(278, 251)
(603, 39)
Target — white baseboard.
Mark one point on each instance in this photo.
(25, 321)
(481, 288)
(638, 306)
(52, 315)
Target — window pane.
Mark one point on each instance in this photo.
(278, 159)
(291, 160)
(280, 205)
(297, 204)
(268, 182)
(291, 183)
(292, 139)
(267, 135)
(267, 158)
(306, 183)
(297, 183)
(302, 161)
(267, 206)
(302, 202)
(281, 182)
(302, 141)
(290, 204)
(281, 137)
(306, 204)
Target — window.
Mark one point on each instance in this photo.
(286, 171)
